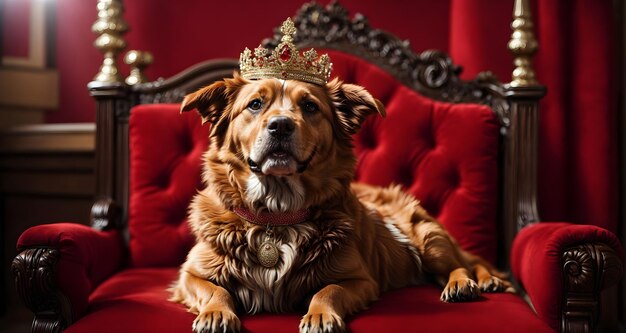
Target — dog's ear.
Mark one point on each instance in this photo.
(211, 101)
(353, 104)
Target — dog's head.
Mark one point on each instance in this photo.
(271, 132)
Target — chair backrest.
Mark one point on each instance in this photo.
(456, 145)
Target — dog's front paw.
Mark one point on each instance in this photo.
(460, 290)
(216, 321)
(495, 285)
(324, 322)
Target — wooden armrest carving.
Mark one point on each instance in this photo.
(105, 215)
(587, 270)
(34, 273)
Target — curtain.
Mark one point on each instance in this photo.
(576, 60)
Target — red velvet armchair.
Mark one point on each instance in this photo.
(466, 149)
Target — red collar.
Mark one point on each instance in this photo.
(273, 219)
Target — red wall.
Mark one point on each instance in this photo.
(15, 28)
(182, 33)
(77, 61)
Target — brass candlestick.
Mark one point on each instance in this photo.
(110, 27)
(138, 61)
(523, 45)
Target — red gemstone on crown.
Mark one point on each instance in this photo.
(285, 54)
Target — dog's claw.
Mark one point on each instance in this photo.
(496, 285)
(464, 289)
(216, 321)
(322, 323)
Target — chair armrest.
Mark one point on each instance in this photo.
(59, 265)
(563, 268)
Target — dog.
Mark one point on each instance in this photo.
(281, 227)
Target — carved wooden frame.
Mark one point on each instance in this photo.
(586, 268)
(34, 273)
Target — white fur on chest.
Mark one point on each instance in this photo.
(278, 194)
(263, 288)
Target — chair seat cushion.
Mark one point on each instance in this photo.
(135, 300)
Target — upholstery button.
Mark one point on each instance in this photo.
(367, 136)
(186, 143)
(405, 176)
(454, 178)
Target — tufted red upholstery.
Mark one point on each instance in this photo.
(165, 156)
(537, 259)
(445, 154)
(140, 294)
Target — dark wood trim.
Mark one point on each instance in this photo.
(587, 270)
(431, 73)
(113, 104)
(519, 164)
(112, 109)
(34, 271)
(173, 90)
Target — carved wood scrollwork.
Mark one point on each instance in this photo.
(587, 269)
(105, 215)
(174, 89)
(431, 73)
(34, 273)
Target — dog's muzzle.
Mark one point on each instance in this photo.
(274, 151)
(301, 166)
(280, 127)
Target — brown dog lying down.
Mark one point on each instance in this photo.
(280, 226)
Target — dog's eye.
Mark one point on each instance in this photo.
(255, 105)
(310, 107)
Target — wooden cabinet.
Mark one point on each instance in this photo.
(46, 176)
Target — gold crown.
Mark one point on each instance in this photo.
(285, 62)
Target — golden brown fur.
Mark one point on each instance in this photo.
(360, 240)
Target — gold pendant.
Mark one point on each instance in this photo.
(268, 254)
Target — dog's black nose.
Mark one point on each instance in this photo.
(280, 126)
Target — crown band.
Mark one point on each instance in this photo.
(285, 62)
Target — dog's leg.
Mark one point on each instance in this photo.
(330, 305)
(213, 304)
(489, 279)
(440, 255)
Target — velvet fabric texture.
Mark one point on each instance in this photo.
(536, 261)
(134, 301)
(87, 257)
(166, 150)
(578, 125)
(445, 154)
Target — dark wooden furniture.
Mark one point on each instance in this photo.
(586, 268)
(46, 174)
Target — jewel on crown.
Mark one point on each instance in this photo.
(285, 61)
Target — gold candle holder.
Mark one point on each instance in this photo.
(138, 61)
(110, 27)
(523, 45)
